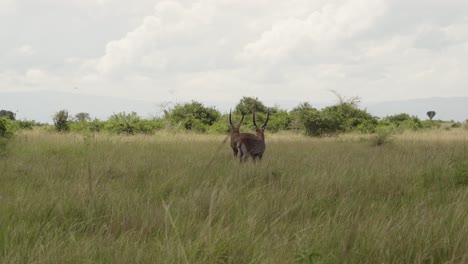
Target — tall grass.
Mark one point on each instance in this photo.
(184, 199)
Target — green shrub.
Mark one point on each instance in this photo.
(404, 121)
(8, 114)
(96, 125)
(334, 119)
(26, 124)
(123, 123)
(383, 135)
(148, 126)
(367, 126)
(61, 121)
(429, 124)
(79, 126)
(7, 128)
(220, 127)
(279, 120)
(193, 116)
(248, 104)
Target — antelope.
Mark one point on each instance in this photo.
(253, 146)
(235, 133)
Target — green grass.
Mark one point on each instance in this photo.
(183, 198)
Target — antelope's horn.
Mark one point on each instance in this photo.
(240, 123)
(266, 121)
(230, 120)
(253, 115)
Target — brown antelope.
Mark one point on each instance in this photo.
(234, 133)
(253, 146)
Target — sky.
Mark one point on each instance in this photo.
(221, 50)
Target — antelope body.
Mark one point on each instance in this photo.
(235, 134)
(252, 145)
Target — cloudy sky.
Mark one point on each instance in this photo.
(220, 50)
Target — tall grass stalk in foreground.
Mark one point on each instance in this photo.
(127, 199)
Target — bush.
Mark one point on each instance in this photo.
(61, 121)
(193, 116)
(429, 124)
(7, 128)
(8, 114)
(405, 121)
(25, 124)
(367, 126)
(220, 127)
(279, 120)
(248, 104)
(334, 119)
(382, 136)
(123, 123)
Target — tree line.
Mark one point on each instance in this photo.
(344, 116)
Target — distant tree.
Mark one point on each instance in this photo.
(248, 104)
(431, 114)
(342, 117)
(305, 106)
(193, 115)
(83, 117)
(61, 121)
(124, 123)
(8, 114)
(403, 121)
(398, 118)
(344, 100)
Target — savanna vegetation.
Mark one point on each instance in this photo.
(335, 185)
(345, 116)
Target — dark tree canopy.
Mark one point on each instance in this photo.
(305, 106)
(61, 121)
(248, 104)
(8, 114)
(83, 117)
(193, 115)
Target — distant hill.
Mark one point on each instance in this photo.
(451, 108)
(41, 105)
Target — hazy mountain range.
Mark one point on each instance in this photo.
(41, 105)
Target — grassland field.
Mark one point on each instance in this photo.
(183, 198)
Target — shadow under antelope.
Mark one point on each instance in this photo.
(253, 146)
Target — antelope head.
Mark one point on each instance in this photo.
(235, 129)
(260, 130)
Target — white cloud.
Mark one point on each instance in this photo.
(157, 42)
(220, 50)
(321, 30)
(25, 50)
(7, 6)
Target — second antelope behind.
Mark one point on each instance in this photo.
(253, 146)
(235, 133)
